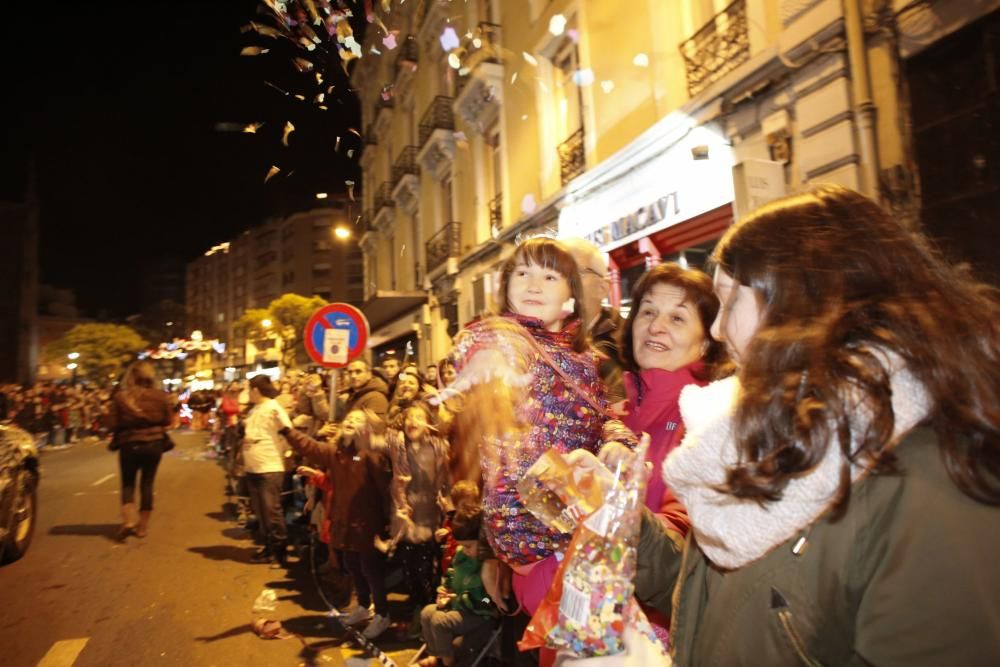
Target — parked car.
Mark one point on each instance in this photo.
(19, 473)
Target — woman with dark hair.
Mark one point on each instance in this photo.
(264, 451)
(137, 418)
(843, 486)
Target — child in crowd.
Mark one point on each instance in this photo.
(462, 605)
(464, 494)
(357, 475)
(419, 481)
(534, 386)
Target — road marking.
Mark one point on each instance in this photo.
(64, 653)
(103, 479)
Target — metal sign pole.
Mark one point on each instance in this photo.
(333, 393)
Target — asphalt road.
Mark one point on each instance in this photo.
(181, 596)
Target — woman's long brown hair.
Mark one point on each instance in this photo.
(839, 281)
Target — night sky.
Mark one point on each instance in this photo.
(120, 103)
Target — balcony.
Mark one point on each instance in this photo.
(496, 214)
(572, 157)
(445, 244)
(384, 208)
(436, 138)
(479, 93)
(406, 180)
(719, 47)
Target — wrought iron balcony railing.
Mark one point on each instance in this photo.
(407, 56)
(445, 243)
(438, 116)
(572, 157)
(496, 212)
(364, 223)
(719, 47)
(383, 197)
(482, 47)
(406, 163)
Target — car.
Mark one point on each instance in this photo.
(19, 475)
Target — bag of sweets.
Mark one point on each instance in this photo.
(591, 599)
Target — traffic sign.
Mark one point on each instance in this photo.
(336, 335)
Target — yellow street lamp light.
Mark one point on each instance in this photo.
(265, 323)
(342, 233)
(73, 355)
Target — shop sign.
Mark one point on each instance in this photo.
(636, 221)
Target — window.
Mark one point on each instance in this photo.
(569, 103)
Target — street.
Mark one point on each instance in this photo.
(181, 596)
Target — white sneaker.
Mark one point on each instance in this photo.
(359, 615)
(378, 625)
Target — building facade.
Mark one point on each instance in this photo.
(300, 254)
(650, 130)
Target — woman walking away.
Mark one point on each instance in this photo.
(843, 486)
(264, 459)
(137, 418)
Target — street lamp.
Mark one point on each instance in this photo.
(342, 233)
(73, 356)
(266, 323)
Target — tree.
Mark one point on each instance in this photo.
(288, 315)
(105, 349)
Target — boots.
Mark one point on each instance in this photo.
(140, 530)
(129, 520)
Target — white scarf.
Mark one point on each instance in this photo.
(731, 531)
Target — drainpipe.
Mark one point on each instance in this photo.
(864, 107)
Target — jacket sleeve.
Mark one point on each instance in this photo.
(673, 515)
(376, 402)
(309, 447)
(658, 563)
(112, 418)
(320, 406)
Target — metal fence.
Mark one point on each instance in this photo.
(446, 242)
(719, 47)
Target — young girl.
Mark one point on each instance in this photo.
(535, 342)
(419, 481)
(358, 509)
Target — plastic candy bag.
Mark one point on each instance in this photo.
(591, 599)
(557, 494)
(267, 600)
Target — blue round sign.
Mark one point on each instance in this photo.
(324, 348)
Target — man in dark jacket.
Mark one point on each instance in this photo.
(367, 391)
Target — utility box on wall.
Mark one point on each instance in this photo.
(756, 182)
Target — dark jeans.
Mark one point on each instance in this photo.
(265, 499)
(419, 570)
(133, 458)
(368, 570)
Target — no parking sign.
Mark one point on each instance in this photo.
(335, 335)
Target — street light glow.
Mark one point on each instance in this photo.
(71, 366)
(321, 195)
(265, 323)
(342, 233)
(73, 355)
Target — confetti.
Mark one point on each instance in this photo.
(583, 77)
(302, 64)
(449, 39)
(350, 189)
(607, 85)
(289, 128)
(252, 128)
(389, 41)
(402, 250)
(528, 204)
(336, 146)
(374, 51)
(253, 51)
(574, 35)
(353, 45)
(350, 152)
(641, 60)
(271, 173)
(513, 78)
(557, 24)
(300, 97)
(319, 98)
(453, 60)
(530, 59)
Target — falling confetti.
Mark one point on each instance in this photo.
(350, 189)
(453, 61)
(574, 35)
(252, 128)
(271, 173)
(289, 128)
(641, 60)
(350, 153)
(557, 24)
(607, 85)
(528, 204)
(302, 64)
(353, 45)
(374, 51)
(583, 77)
(389, 41)
(253, 51)
(336, 146)
(513, 78)
(402, 250)
(530, 59)
(449, 39)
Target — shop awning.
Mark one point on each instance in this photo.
(386, 306)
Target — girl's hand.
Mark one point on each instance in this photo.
(328, 430)
(640, 651)
(613, 454)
